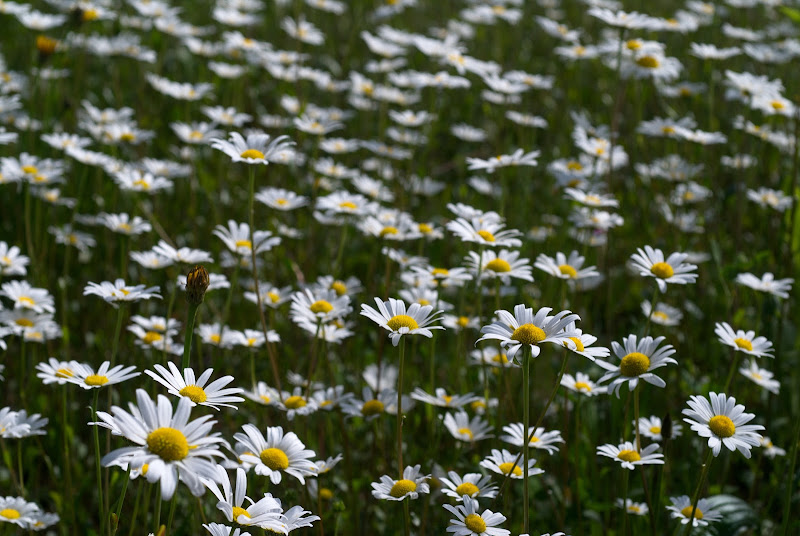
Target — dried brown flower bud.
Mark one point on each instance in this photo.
(196, 285)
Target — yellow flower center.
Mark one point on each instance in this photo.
(325, 494)
(648, 62)
(239, 511)
(506, 468)
(372, 407)
(215, 338)
(128, 136)
(274, 458)
(475, 523)
(141, 183)
(533, 440)
(633, 44)
(253, 154)
(467, 488)
(777, 105)
(661, 315)
(168, 444)
(94, 379)
(402, 321)
(90, 15)
(321, 306)
(568, 270)
(655, 429)
(10, 513)
(145, 467)
(196, 135)
(151, 336)
(265, 399)
(64, 373)
(574, 166)
(722, 426)
(498, 265)
(195, 393)
(668, 130)
(578, 344)
(30, 170)
(528, 334)
(24, 322)
(425, 228)
(348, 204)
(629, 456)
(662, 270)
(465, 432)
(294, 402)
(339, 287)
(402, 487)
(583, 386)
(388, 231)
(486, 235)
(744, 344)
(634, 364)
(462, 321)
(28, 302)
(274, 297)
(441, 272)
(687, 512)
(244, 244)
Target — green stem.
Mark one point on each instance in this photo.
(117, 331)
(171, 511)
(98, 470)
(636, 417)
(65, 433)
(697, 491)
(187, 337)
(787, 507)
(135, 514)
(121, 499)
(406, 518)
(400, 407)
(157, 516)
(625, 476)
(22, 368)
(526, 403)
(340, 251)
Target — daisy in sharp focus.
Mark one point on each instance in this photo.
(86, 376)
(539, 437)
(195, 389)
(627, 455)
(503, 265)
(232, 500)
(276, 454)
(256, 149)
(723, 422)
(743, 341)
(410, 486)
(465, 429)
(504, 463)
(319, 306)
(704, 512)
(473, 485)
(172, 447)
(469, 522)
(637, 361)
(393, 316)
(524, 328)
(650, 262)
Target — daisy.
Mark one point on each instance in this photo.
(319, 306)
(767, 197)
(582, 343)
(637, 361)
(503, 265)
(195, 389)
(442, 399)
(650, 263)
(742, 341)
(119, 291)
(591, 199)
(563, 267)
(263, 394)
(704, 512)
(463, 428)
(468, 522)
(372, 405)
(296, 403)
(761, 377)
(627, 455)
(277, 453)
(723, 422)
(25, 296)
(172, 447)
(771, 450)
(490, 356)
(231, 501)
(85, 376)
(236, 237)
(472, 485)
(505, 463)
(633, 508)
(124, 224)
(410, 486)
(281, 199)
(11, 262)
(651, 427)
(537, 438)
(767, 283)
(393, 316)
(523, 328)
(18, 511)
(663, 314)
(55, 371)
(256, 149)
(581, 383)
(217, 529)
(484, 233)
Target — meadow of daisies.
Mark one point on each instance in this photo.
(399, 267)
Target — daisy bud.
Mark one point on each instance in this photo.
(196, 285)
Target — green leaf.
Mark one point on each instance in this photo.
(792, 13)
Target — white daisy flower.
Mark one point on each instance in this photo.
(371, 405)
(296, 403)
(119, 291)
(11, 262)
(704, 513)
(650, 262)
(761, 377)
(770, 450)
(469, 522)
(465, 429)
(504, 463)
(627, 455)
(256, 149)
(743, 341)
(473, 485)
(637, 361)
(723, 422)
(25, 296)
(651, 427)
(582, 343)
(276, 454)
(172, 447)
(563, 267)
(582, 383)
(541, 439)
(18, 511)
(484, 233)
(217, 529)
(195, 389)
(236, 237)
(410, 486)
(263, 394)
(55, 371)
(232, 501)
(633, 508)
(523, 328)
(281, 199)
(393, 316)
(662, 314)
(767, 283)
(442, 399)
(85, 375)
(504, 265)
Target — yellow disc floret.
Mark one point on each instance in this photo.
(529, 334)
(687, 512)
(253, 154)
(634, 364)
(274, 458)
(662, 270)
(339, 287)
(321, 306)
(506, 468)
(467, 488)
(722, 426)
(486, 235)
(294, 402)
(402, 321)
(194, 393)
(498, 265)
(629, 456)
(475, 523)
(372, 407)
(744, 344)
(568, 270)
(402, 488)
(239, 511)
(168, 444)
(94, 379)
(10, 513)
